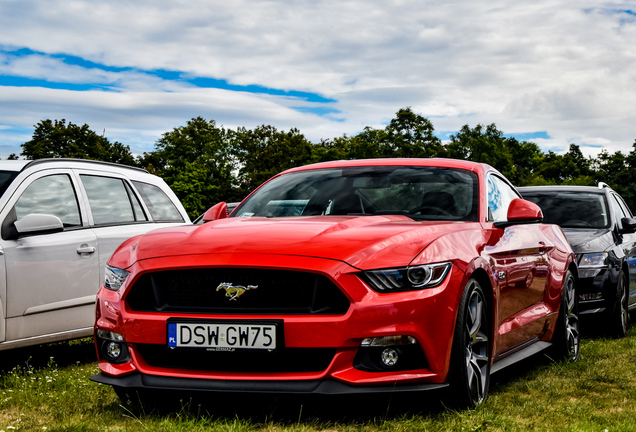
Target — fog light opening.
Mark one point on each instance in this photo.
(389, 357)
(390, 354)
(113, 350)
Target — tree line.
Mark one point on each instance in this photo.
(205, 163)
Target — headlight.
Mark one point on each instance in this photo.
(407, 278)
(593, 260)
(115, 278)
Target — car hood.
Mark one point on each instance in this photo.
(589, 240)
(363, 242)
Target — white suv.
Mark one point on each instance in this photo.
(61, 219)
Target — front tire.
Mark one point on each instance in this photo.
(567, 339)
(619, 317)
(472, 347)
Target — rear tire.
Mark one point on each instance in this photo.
(619, 317)
(472, 347)
(567, 339)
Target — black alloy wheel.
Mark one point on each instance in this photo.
(620, 316)
(470, 361)
(567, 339)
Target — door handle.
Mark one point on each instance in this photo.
(86, 249)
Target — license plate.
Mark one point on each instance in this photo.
(222, 336)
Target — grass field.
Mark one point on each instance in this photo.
(48, 389)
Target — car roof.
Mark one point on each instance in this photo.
(430, 162)
(22, 165)
(563, 188)
(13, 165)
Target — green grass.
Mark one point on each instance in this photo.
(48, 388)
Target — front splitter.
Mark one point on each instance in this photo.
(319, 387)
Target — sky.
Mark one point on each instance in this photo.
(551, 72)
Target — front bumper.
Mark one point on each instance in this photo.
(597, 290)
(426, 315)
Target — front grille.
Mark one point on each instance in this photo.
(265, 292)
(282, 360)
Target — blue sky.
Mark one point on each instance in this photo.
(545, 71)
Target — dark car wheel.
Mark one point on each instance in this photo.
(566, 340)
(619, 318)
(470, 360)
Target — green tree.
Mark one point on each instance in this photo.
(487, 145)
(526, 159)
(411, 135)
(328, 150)
(619, 171)
(263, 152)
(571, 168)
(408, 135)
(195, 160)
(56, 139)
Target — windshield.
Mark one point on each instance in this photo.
(571, 209)
(422, 193)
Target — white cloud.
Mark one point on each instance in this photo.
(561, 67)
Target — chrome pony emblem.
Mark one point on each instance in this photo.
(234, 292)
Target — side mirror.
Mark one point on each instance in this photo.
(218, 211)
(629, 225)
(38, 224)
(521, 211)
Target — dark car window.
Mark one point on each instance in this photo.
(160, 206)
(619, 211)
(423, 193)
(52, 195)
(623, 205)
(572, 209)
(6, 177)
(111, 201)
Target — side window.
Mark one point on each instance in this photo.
(160, 206)
(111, 200)
(53, 195)
(618, 210)
(500, 195)
(624, 206)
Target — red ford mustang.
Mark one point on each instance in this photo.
(343, 277)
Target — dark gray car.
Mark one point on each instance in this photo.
(600, 228)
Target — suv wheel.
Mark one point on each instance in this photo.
(620, 317)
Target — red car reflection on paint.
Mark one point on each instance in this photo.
(343, 277)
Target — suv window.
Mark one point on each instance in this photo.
(619, 211)
(572, 209)
(111, 200)
(53, 195)
(6, 177)
(160, 206)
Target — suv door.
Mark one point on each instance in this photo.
(52, 277)
(117, 213)
(626, 243)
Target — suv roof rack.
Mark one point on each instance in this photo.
(603, 185)
(39, 161)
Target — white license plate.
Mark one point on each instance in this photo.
(222, 336)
